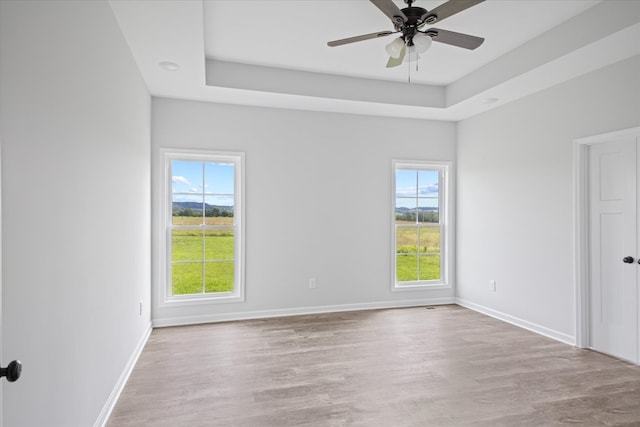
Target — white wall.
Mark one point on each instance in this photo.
(318, 201)
(515, 195)
(76, 207)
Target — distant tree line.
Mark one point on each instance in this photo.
(422, 216)
(215, 212)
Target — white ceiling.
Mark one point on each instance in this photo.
(293, 34)
(274, 53)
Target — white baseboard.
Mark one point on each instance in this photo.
(103, 417)
(263, 314)
(533, 327)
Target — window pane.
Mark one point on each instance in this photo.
(186, 245)
(186, 278)
(187, 209)
(219, 178)
(406, 240)
(428, 183)
(219, 245)
(219, 276)
(406, 268)
(219, 210)
(428, 210)
(430, 239)
(429, 267)
(186, 176)
(405, 210)
(406, 183)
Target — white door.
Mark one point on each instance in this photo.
(613, 248)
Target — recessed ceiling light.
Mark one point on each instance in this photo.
(489, 100)
(169, 66)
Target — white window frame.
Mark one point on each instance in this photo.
(238, 294)
(445, 217)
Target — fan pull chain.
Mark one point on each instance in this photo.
(409, 62)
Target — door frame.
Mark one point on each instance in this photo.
(1, 301)
(581, 227)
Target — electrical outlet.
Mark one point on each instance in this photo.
(492, 285)
(312, 283)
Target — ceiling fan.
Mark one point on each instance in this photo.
(410, 21)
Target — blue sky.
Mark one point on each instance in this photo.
(411, 182)
(214, 180)
(218, 184)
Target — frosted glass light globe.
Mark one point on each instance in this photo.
(422, 42)
(395, 48)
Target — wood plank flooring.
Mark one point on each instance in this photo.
(446, 366)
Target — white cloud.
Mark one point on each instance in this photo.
(429, 189)
(180, 179)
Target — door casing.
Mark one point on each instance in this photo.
(1, 355)
(581, 228)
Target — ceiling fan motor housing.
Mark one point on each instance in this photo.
(414, 21)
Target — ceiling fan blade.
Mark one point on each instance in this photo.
(359, 38)
(389, 8)
(455, 39)
(447, 9)
(394, 62)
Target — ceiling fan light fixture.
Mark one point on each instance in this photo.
(422, 42)
(394, 49)
(409, 21)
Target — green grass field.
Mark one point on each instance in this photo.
(417, 252)
(417, 267)
(202, 260)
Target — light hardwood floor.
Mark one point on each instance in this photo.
(446, 366)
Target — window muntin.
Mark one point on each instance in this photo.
(203, 227)
(419, 224)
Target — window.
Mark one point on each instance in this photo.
(203, 226)
(420, 232)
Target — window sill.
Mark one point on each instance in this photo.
(424, 286)
(200, 300)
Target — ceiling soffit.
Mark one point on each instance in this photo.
(601, 35)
